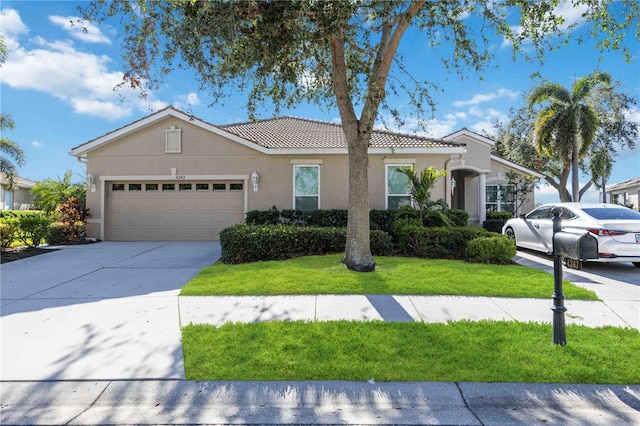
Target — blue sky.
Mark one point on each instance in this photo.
(58, 86)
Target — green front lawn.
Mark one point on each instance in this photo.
(484, 351)
(393, 275)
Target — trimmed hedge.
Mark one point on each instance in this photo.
(494, 225)
(499, 215)
(381, 220)
(437, 243)
(496, 250)
(252, 243)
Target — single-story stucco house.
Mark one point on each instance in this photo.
(626, 193)
(171, 176)
(17, 198)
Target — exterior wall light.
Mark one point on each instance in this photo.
(254, 180)
(90, 183)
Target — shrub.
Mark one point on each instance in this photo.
(499, 215)
(263, 217)
(72, 216)
(9, 227)
(382, 220)
(458, 217)
(251, 243)
(326, 218)
(437, 243)
(436, 219)
(57, 233)
(493, 225)
(497, 250)
(33, 229)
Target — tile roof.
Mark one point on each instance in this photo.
(294, 132)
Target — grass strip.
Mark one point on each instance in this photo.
(483, 351)
(393, 275)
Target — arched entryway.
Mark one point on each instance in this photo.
(468, 192)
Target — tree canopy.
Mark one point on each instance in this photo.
(516, 142)
(567, 122)
(339, 53)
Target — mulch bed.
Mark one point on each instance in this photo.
(16, 253)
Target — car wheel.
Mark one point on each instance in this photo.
(510, 233)
(636, 264)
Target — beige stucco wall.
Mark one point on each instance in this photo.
(205, 153)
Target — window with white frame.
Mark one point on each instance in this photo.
(306, 187)
(501, 198)
(398, 187)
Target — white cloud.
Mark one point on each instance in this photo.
(80, 29)
(632, 115)
(479, 98)
(12, 26)
(12, 23)
(82, 80)
(190, 99)
(37, 144)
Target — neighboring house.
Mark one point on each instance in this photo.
(626, 193)
(18, 198)
(171, 176)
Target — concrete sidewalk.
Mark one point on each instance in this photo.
(177, 402)
(439, 309)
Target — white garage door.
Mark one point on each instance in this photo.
(159, 211)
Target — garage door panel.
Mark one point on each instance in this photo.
(171, 215)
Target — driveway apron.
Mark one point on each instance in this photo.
(105, 311)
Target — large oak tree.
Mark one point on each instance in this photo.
(339, 53)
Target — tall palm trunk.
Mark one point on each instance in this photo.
(575, 171)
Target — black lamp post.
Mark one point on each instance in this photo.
(559, 329)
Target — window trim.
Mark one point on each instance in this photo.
(499, 203)
(295, 167)
(386, 183)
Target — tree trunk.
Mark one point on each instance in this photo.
(604, 188)
(575, 172)
(357, 254)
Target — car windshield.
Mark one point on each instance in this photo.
(606, 213)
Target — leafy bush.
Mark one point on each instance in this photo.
(458, 217)
(496, 250)
(263, 217)
(493, 225)
(499, 215)
(73, 216)
(437, 243)
(381, 220)
(326, 218)
(9, 227)
(251, 243)
(6, 214)
(33, 229)
(57, 233)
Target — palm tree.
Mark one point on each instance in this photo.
(10, 153)
(567, 124)
(49, 194)
(421, 185)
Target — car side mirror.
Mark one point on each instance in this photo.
(521, 215)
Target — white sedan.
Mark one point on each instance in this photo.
(616, 228)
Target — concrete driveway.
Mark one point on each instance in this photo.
(98, 311)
